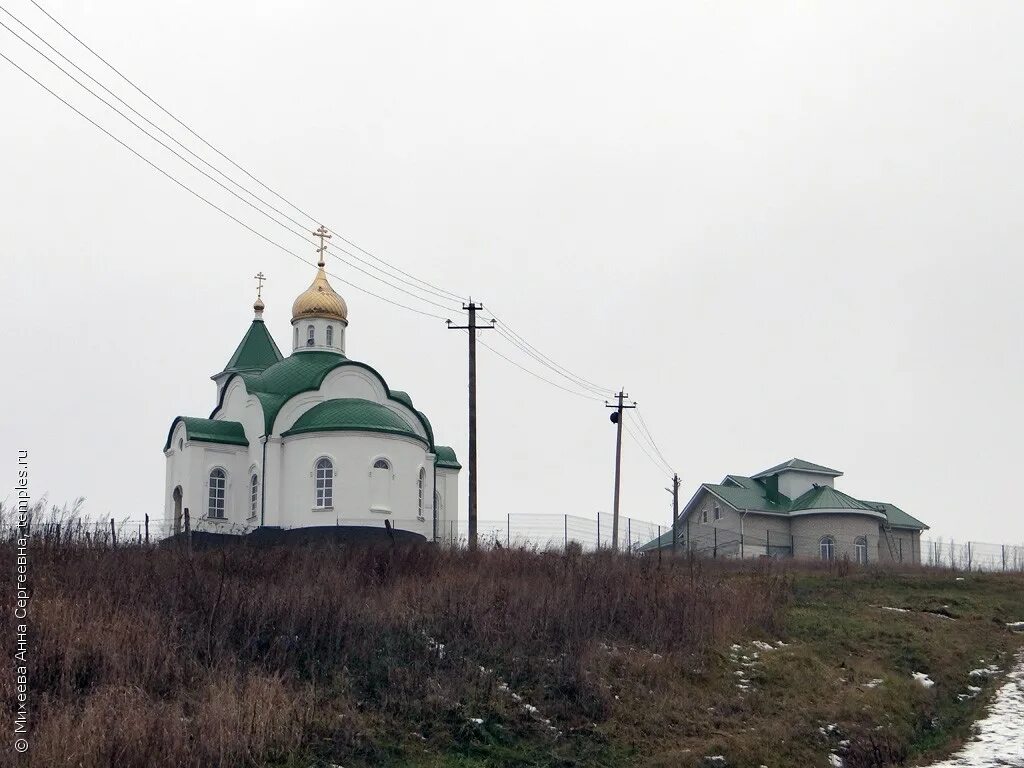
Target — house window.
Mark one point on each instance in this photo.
(382, 464)
(860, 548)
(296, 336)
(718, 512)
(218, 486)
(254, 493)
(181, 444)
(324, 474)
(330, 335)
(310, 335)
(827, 548)
(421, 483)
(704, 515)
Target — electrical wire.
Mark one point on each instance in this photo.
(534, 374)
(658, 465)
(646, 431)
(562, 370)
(299, 233)
(426, 284)
(200, 196)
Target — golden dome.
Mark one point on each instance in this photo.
(320, 300)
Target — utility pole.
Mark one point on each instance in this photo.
(616, 419)
(674, 490)
(472, 328)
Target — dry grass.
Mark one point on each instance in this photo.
(300, 656)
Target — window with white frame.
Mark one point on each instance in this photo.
(827, 548)
(218, 488)
(254, 493)
(421, 484)
(704, 515)
(330, 335)
(310, 335)
(380, 485)
(324, 475)
(860, 548)
(718, 512)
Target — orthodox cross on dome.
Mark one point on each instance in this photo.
(324, 236)
(259, 277)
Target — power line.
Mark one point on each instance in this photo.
(428, 285)
(299, 233)
(646, 430)
(658, 465)
(562, 370)
(200, 196)
(537, 375)
(424, 286)
(528, 350)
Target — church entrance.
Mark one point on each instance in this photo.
(177, 509)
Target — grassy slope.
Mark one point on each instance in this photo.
(838, 642)
(295, 658)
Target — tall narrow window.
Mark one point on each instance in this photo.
(254, 494)
(421, 483)
(310, 335)
(718, 512)
(380, 486)
(324, 483)
(827, 548)
(330, 335)
(704, 515)
(296, 344)
(218, 486)
(860, 548)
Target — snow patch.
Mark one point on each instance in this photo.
(923, 679)
(874, 683)
(835, 760)
(1000, 735)
(890, 608)
(1015, 626)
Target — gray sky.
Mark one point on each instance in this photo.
(789, 229)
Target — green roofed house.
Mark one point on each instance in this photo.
(315, 441)
(793, 509)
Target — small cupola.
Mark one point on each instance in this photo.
(319, 314)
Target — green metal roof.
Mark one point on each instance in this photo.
(896, 516)
(823, 497)
(256, 352)
(446, 457)
(209, 431)
(352, 414)
(801, 466)
(305, 372)
(403, 397)
(753, 498)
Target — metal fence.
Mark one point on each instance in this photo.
(561, 532)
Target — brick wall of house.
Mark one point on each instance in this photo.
(808, 531)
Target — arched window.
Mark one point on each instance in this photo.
(310, 335)
(860, 547)
(704, 515)
(718, 512)
(827, 548)
(254, 493)
(421, 484)
(296, 344)
(324, 483)
(330, 335)
(380, 485)
(218, 486)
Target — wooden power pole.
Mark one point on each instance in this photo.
(471, 327)
(616, 418)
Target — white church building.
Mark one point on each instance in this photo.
(308, 442)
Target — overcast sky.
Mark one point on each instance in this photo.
(788, 229)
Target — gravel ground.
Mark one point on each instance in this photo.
(1000, 736)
